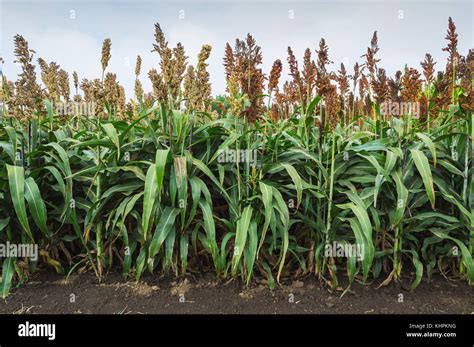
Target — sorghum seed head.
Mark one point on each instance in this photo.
(106, 45)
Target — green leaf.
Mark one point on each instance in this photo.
(450, 167)
(363, 220)
(8, 269)
(183, 251)
(390, 161)
(282, 208)
(428, 143)
(312, 105)
(16, 180)
(49, 109)
(203, 168)
(65, 167)
(8, 148)
(402, 198)
(163, 228)
(140, 264)
(241, 237)
(160, 162)
(210, 229)
(36, 205)
(112, 134)
(149, 199)
(418, 268)
(251, 250)
(225, 145)
(267, 196)
(296, 180)
(423, 166)
(379, 180)
(4, 222)
(466, 255)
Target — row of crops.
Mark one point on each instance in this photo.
(254, 183)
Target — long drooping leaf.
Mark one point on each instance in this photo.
(296, 180)
(429, 143)
(361, 241)
(149, 199)
(266, 196)
(251, 250)
(366, 228)
(418, 268)
(16, 181)
(241, 237)
(160, 163)
(210, 229)
(284, 213)
(36, 205)
(423, 166)
(203, 168)
(401, 202)
(163, 228)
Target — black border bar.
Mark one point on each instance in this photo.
(259, 329)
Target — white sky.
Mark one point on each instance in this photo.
(71, 32)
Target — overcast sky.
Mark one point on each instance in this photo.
(71, 32)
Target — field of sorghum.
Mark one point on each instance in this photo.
(256, 182)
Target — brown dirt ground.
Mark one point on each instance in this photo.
(50, 293)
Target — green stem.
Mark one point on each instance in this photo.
(331, 185)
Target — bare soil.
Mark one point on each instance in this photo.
(50, 293)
